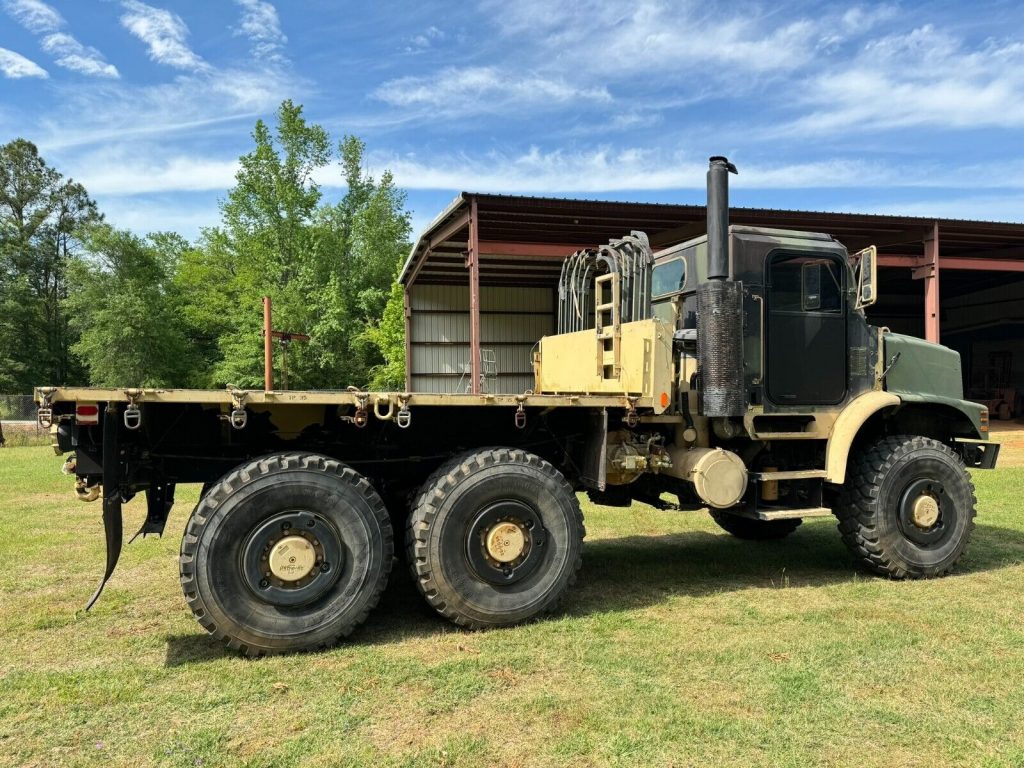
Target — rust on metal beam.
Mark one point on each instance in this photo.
(473, 262)
(436, 240)
(549, 250)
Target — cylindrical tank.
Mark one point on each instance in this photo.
(718, 476)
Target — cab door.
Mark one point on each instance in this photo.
(806, 334)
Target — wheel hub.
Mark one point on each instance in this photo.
(924, 512)
(506, 542)
(926, 515)
(292, 558)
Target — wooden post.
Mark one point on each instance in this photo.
(268, 348)
(473, 262)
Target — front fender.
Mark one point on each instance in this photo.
(846, 429)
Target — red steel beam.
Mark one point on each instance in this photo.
(931, 285)
(473, 262)
(550, 250)
(953, 262)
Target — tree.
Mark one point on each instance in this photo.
(388, 338)
(125, 310)
(327, 267)
(42, 216)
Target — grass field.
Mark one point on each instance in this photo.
(680, 646)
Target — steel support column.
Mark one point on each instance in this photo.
(473, 263)
(930, 273)
(407, 302)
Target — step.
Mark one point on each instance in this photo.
(790, 514)
(796, 474)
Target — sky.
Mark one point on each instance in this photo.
(906, 108)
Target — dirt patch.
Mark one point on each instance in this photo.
(1009, 434)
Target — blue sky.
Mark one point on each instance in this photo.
(913, 108)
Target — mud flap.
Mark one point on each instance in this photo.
(159, 500)
(112, 521)
(594, 470)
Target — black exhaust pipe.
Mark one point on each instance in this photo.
(720, 309)
(718, 217)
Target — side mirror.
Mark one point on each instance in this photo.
(865, 265)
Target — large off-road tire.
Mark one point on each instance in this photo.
(458, 547)
(238, 554)
(754, 530)
(907, 508)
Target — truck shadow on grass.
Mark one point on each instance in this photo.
(638, 571)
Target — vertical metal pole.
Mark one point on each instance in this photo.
(407, 301)
(268, 347)
(932, 317)
(473, 262)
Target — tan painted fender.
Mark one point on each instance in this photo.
(845, 430)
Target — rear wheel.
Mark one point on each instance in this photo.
(754, 530)
(495, 538)
(907, 508)
(288, 552)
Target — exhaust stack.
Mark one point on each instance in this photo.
(720, 309)
(718, 217)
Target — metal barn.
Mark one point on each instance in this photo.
(481, 281)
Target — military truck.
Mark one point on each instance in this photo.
(735, 372)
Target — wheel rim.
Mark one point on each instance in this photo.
(926, 514)
(505, 542)
(292, 558)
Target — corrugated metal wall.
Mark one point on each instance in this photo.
(512, 320)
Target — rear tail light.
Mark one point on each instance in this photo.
(87, 414)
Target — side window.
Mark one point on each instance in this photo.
(801, 283)
(669, 277)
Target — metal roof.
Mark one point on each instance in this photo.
(575, 223)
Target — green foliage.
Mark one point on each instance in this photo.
(388, 336)
(159, 311)
(328, 268)
(42, 218)
(125, 310)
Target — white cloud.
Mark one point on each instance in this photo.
(71, 54)
(481, 89)
(40, 18)
(616, 37)
(134, 171)
(261, 25)
(164, 33)
(606, 169)
(34, 15)
(424, 40)
(16, 66)
(922, 78)
(610, 170)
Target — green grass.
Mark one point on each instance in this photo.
(680, 646)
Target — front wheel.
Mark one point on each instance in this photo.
(288, 552)
(907, 509)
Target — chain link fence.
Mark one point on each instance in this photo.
(18, 420)
(17, 408)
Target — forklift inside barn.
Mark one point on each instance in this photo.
(481, 284)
